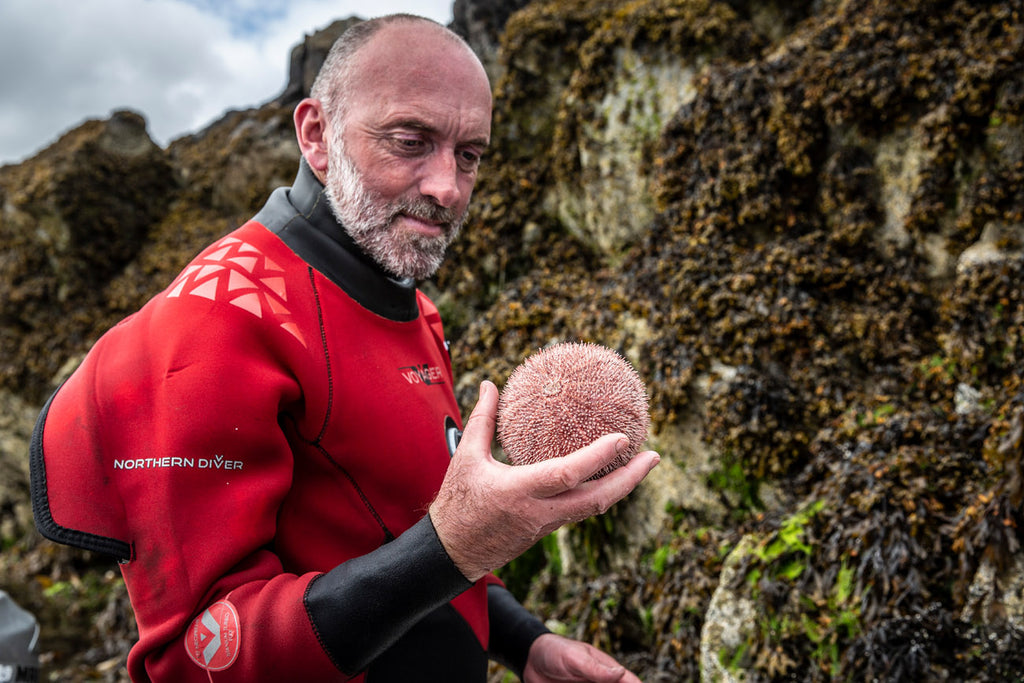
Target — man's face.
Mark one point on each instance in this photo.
(375, 223)
(403, 162)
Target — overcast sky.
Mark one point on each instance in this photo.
(180, 63)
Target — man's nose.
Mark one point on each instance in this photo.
(440, 179)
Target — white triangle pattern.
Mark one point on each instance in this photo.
(238, 273)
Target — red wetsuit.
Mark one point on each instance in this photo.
(259, 446)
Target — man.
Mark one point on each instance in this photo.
(269, 445)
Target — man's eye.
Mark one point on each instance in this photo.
(407, 144)
(469, 159)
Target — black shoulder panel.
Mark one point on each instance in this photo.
(302, 218)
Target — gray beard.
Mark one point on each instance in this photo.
(370, 221)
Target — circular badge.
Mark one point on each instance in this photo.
(452, 434)
(213, 638)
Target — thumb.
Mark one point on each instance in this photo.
(602, 671)
(479, 431)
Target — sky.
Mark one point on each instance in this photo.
(179, 63)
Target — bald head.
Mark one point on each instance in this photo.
(398, 36)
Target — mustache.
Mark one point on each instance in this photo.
(426, 210)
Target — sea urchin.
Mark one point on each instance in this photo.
(565, 396)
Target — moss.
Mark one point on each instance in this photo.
(521, 573)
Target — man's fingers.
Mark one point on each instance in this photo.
(479, 431)
(559, 475)
(595, 497)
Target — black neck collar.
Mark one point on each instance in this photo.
(301, 216)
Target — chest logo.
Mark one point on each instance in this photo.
(422, 374)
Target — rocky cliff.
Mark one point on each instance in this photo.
(802, 222)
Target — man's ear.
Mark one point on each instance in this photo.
(311, 132)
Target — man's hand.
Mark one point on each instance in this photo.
(554, 659)
(487, 513)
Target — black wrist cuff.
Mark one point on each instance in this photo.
(363, 606)
(513, 629)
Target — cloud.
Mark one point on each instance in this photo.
(180, 63)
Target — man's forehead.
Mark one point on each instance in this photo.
(403, 44)
(415, 67)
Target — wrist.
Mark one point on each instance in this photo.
(446, 535)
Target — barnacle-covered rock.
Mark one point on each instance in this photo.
(634, 72)
(73, 217)
(832, 251)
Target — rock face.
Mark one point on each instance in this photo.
(801, 222)
(306, 59)
(72, 219)
(481, 23)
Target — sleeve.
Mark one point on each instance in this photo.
(182, 419)
(513, 629)
(364, 605)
